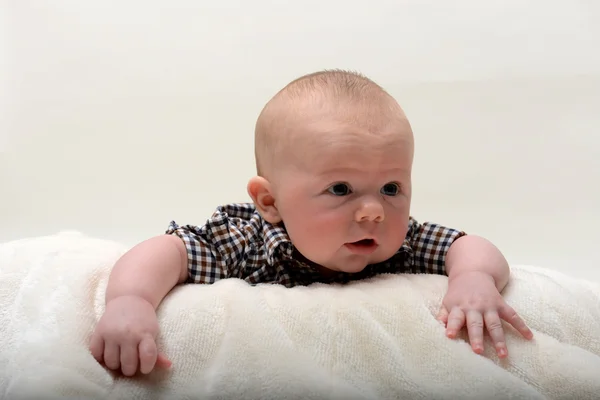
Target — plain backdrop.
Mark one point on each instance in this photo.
(119, 116)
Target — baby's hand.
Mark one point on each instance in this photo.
(473, 301)
(125, 337)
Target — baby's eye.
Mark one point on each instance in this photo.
(339, 189)
(390, 189)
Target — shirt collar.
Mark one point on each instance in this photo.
(277, 242)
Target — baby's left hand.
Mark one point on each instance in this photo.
(473, 301)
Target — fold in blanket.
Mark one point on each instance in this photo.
(375, 339)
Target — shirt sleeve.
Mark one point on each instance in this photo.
(215, 250)
(430, 243)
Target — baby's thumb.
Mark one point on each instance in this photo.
(443, 315)
(163, 362)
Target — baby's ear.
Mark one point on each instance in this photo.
(259, 190)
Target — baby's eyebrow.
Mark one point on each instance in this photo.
(361, 170)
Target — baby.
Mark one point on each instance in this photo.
(331, 203)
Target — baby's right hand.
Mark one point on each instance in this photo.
(125, 337)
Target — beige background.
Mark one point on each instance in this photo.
(118, 116)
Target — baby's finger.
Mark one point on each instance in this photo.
(129, 359)
(456, 320)
(475, 330)
(494, 327)
(97, 347)
(111, 355)
(508, 314)
(148, 354)
(442, 315)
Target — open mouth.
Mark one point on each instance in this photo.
(365, 246)
(364, 242)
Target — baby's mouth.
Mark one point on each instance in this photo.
(364, 242)
(364, 246)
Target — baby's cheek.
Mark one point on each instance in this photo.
(324, 232)
(312, 232)
(396, 230)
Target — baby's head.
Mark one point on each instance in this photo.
(334, 156)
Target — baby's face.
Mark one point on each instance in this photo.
(344, 195)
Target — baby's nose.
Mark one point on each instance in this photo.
(370, 211)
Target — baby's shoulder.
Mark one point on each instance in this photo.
(237, 219)
(239, 213)
(237, 224)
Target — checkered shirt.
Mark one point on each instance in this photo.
(236, 242)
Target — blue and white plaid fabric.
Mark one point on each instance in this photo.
(236, 242)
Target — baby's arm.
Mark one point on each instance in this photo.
(125, 337)
(126, 333)
(149, 270)
(475, 254)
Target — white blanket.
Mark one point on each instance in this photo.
(374, 339)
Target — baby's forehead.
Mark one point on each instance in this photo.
(337, 146)
(345, 130)
(348, 125)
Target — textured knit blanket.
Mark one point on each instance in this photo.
(374, 339)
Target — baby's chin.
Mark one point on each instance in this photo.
(352, 264)
(356, 264)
